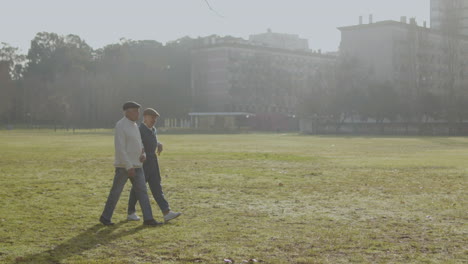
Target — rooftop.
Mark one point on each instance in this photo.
(394, 23)
(266, 48)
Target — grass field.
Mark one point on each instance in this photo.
(270, 197)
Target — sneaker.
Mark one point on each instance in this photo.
(133, 217)
(151, 222)
(171, 215)
(105, 221)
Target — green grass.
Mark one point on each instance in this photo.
(275, 198)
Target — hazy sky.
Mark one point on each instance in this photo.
(102, 22)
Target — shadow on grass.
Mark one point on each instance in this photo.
(93, 237)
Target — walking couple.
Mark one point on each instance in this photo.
(136, 159)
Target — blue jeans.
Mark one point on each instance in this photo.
(153, 177)
(139, 187)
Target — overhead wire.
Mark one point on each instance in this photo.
(212, 9)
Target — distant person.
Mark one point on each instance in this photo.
(129, 155)
(151, 168)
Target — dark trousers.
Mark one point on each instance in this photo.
(153, 178)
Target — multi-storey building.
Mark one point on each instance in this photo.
(450, 12)
(412, 57)
(237, 76)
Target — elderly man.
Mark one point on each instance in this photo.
(151, 168)
(129, 155)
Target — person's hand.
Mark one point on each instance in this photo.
(160, 148)
(142, 158)
(131, 172)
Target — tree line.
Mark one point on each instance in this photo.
(63, 81)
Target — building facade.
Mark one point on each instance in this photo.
(450, 11)
(411, 57)
(232, 76)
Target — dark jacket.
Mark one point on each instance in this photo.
(150, 141)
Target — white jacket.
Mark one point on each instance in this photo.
(128, 145)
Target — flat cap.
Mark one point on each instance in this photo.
(130, 104)
(151, 112)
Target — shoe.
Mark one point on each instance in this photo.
(171, 215)
(133, 217)
(105, 221)
(151, 222)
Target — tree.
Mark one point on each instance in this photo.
(350, 96)
(7, 92)
(55, 78)
(383, 102)
(10, 72)
(15, 61)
